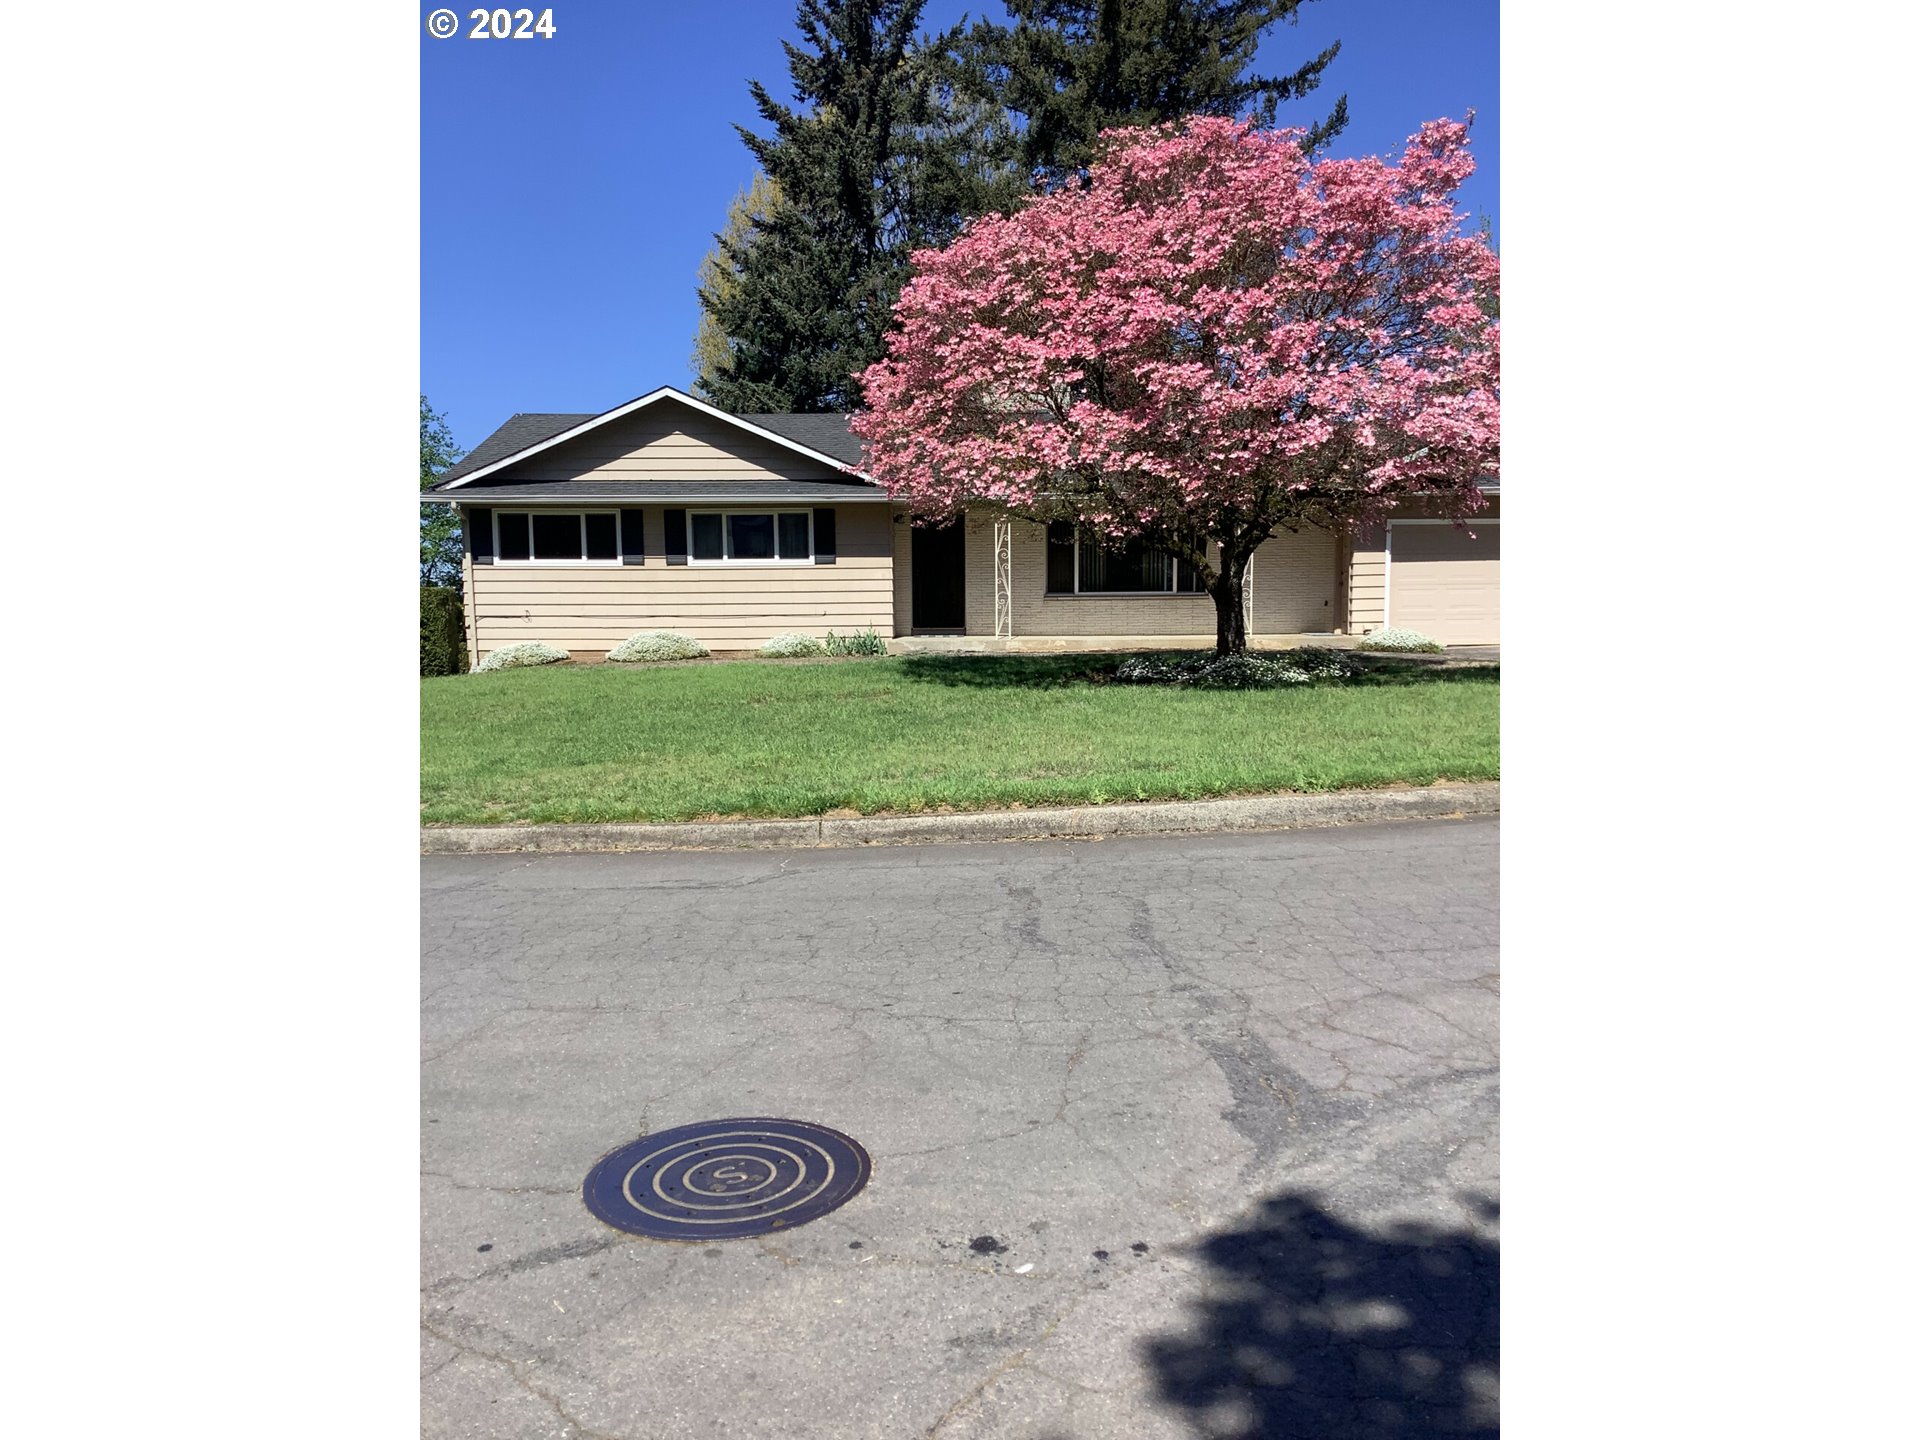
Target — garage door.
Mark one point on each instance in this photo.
(1445, 582)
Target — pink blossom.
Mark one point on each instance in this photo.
(1219, 335)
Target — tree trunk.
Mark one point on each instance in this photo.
(1229, 591)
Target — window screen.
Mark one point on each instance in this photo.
(1126, 566)
(1060, 558)
(750, 537)
(559, 535)
(514, 544)
(603, 536)
(556, 537)
(1122, 567)
(795, 544)
(706, 538)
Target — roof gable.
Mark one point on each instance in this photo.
(527, 436)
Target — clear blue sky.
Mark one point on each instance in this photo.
(570, 187)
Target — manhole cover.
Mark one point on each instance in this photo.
(726, 1179)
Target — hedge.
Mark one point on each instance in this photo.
(443, 632)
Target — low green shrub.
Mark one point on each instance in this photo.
(864, 642)
(791, 645)
(443, 632)
(657, 645)
(1235, 672)
(1404, 641)
(527, 652)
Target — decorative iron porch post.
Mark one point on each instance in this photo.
(1003, 579)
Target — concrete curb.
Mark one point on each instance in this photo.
(1257, 812)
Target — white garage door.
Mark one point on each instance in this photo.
(1445, 582)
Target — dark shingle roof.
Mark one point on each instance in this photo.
(514, 436)
(826, 433)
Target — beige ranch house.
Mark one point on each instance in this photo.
(668, 514)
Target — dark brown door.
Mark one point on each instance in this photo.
(940, 577)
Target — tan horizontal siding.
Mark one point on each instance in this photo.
(809, 597)
(716, 590)
(667, 441)
(603, 638)
(596, 577)
(568, 632)
(692, 622)
(1367, 582)
(588, 608)
(743, 637)
(466, 609)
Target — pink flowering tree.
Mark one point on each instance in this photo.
(1217, 338)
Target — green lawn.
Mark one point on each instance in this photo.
(603, 742)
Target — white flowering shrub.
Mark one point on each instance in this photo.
(658, 645)
(1312, 662)
(527, 652)
(786, 647)
(1235, 672)
(1403, 641)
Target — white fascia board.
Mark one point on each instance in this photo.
(664, 392)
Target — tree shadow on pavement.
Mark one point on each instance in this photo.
(1318, 1330)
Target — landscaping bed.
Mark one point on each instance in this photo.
(907, 734)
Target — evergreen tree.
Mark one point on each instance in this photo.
(879, 157)
(720, 277)
(1072, 68)
(439, 527)
(895, 141)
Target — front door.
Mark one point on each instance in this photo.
(940, 577)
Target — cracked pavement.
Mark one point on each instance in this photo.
(1171, 1137)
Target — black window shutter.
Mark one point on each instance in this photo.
(825, 539)
(1060, 557)
(676, 537)
(478, 528)
(633, 537)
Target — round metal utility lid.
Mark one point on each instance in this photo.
(726, 1179)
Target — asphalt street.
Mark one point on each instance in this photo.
(1171, 1137)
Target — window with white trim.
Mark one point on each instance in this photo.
(750, 537)
(556, 537)
(1078, 563)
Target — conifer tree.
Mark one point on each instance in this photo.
(874, 160)
(439, 526)
(896, 140)
(1072, 68)
(712, 348)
